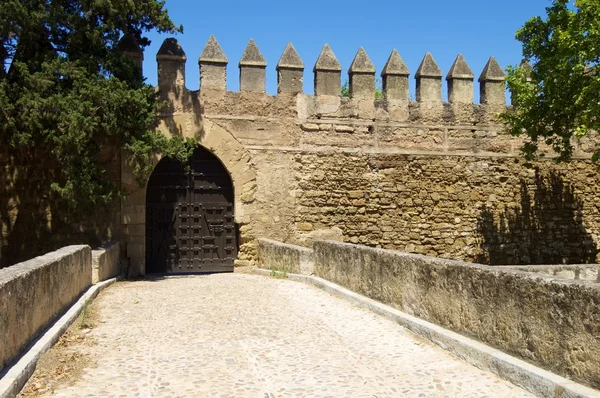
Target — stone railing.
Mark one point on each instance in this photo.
(580, 272)
(106, 263)
(35, 292)
(282, 257)
(550, 321)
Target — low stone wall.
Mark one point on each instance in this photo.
(551, 322)
(580, 272)
(283, 257)
(106, 262)
(35, 292)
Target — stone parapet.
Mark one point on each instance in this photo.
(551, 322)
(106, 262)
(277, 256)
(35, 292)
(579, 272)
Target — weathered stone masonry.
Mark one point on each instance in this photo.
(430, 177)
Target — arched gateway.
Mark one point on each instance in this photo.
(190, 224)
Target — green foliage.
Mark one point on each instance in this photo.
(345, 90)
(556, 100)
(69, 94)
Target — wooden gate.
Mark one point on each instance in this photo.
(190, 223)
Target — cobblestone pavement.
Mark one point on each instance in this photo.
(241, 335)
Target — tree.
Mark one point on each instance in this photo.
(555, 93)
(67, 92)
(345, 89)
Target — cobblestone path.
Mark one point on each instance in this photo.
(241, 335)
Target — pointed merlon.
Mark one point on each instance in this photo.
(526, 66)
(362, 63)
(395, 66)
(327, 60)
(129, 44)
(252, 56)
(213, 53)
(492, 72)
(290, 59)
(171, 50)
(460, 70)
(428, 67)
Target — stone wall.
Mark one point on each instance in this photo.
(425, 176)
(273, 255)
(551, 322)
(35, 292)
(106, 262)
(34, 220)
(579, 272)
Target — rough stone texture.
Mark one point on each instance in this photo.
(213, 66)
(427, 177)
(106, 262)
(491, 84)
(33, 220)
(171, 61)
(33, 293)
(460, 82)
(264, 345)
(451, 207)
(327, 69)
(253, 69)
(551, 322)
(429, 80)
(290, 71)
(273, 255)
(362, 76)
(395, 78)
(583, 272)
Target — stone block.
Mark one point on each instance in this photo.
(106, 262)
(395, 78)
(290, 71)
(327, 71)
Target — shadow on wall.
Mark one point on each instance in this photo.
(545, 228)
(32, 221)
(190, 104)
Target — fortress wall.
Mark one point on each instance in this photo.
(33, 219)
(426, 176)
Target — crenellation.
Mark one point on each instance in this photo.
(253, 69)
(429, 80)
(362, 76)
(213, 66)
(290, 71)
(394, 76)
(491, 84)
(130, 47)
(460, 82)
(327, 70)
(171, 65)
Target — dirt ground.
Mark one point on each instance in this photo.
(62, 365)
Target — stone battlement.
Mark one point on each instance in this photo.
(395, 74)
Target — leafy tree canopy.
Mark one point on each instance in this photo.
(555, 98)
(67, 92)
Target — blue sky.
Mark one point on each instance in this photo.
(476, 28)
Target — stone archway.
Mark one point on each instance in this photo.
(189, 216)
(234, 157)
